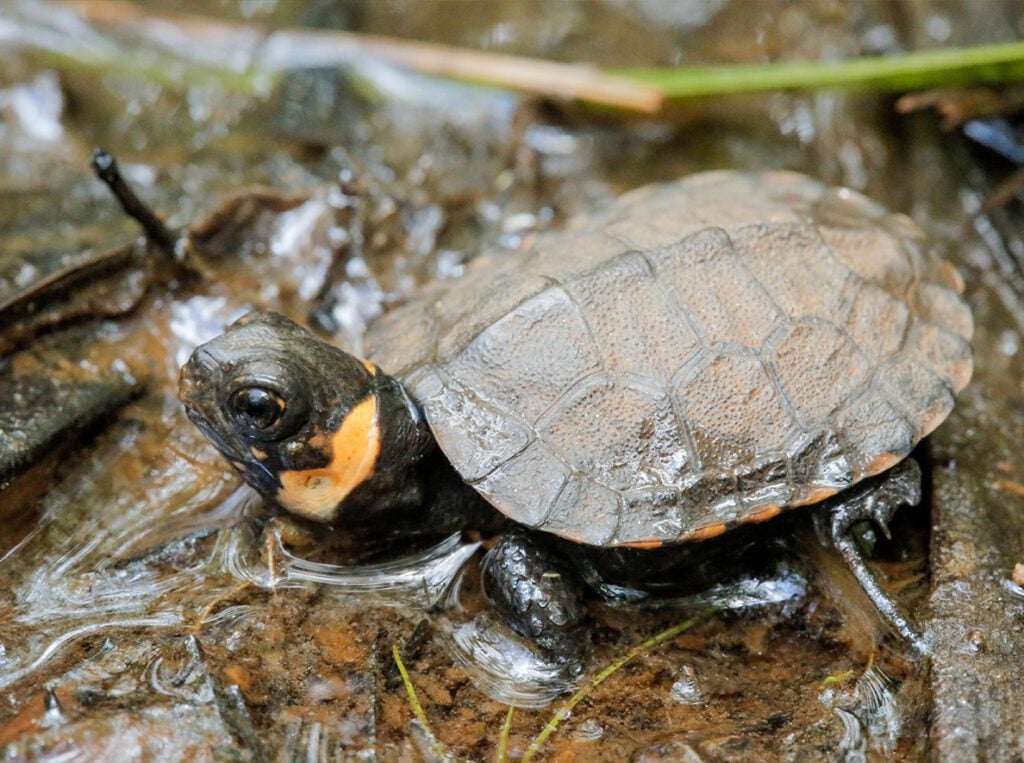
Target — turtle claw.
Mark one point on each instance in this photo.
(877, 502)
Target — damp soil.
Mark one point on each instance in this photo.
(152, 607)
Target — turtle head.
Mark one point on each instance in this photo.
(296, 417)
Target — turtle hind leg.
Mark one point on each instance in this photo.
(536, 591)
(877, 502)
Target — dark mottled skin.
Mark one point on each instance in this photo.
(413, 487)
(536, 588)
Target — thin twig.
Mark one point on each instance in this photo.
(28, 300)
(106, 169)
(284, 49)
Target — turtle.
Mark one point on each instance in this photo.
(701, 355)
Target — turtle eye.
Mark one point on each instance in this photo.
(257, 407)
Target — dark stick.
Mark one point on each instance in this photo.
(106, 169)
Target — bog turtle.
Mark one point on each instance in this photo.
(702, 354)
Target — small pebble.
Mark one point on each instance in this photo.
(686, 690)
(977, 641)
(1018, 574)
(589, 731)
(1009, 343)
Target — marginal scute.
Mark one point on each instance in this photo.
(813, 494)
(403, 339)
(693, 356)
(491, 302)
(873, 254)
(761, 513)
(574, 252)
(762, 197)
(529, 483)
(792, 190)
(944, 308)
(946, 354)
(848, 208)
(647, 237)
(881, 463)
(876, 322)
(765, 480)
(819, 461)
(712, 499)
(948, 276)
(655, 514)
(903, 227)
(585, 512)
(925, 397)
(707, 532)
(870, 426)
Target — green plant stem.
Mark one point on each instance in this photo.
(563, 712)
(417, 708)
(928, 68)
(506, 729)
(173, 72)
(642, 89)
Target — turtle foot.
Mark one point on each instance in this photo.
(877, 501)
(536, 592)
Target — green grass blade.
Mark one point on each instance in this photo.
(928, 68)
(167, 71)
(563, 712)
(417, 708)
(506, 729)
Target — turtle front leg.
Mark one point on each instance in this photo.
(877, 501)
(536, 591)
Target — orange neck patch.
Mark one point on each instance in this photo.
(316, 493)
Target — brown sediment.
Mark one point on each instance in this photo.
(340, 644)
(238, 675)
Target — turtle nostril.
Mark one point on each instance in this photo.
(200, 370)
